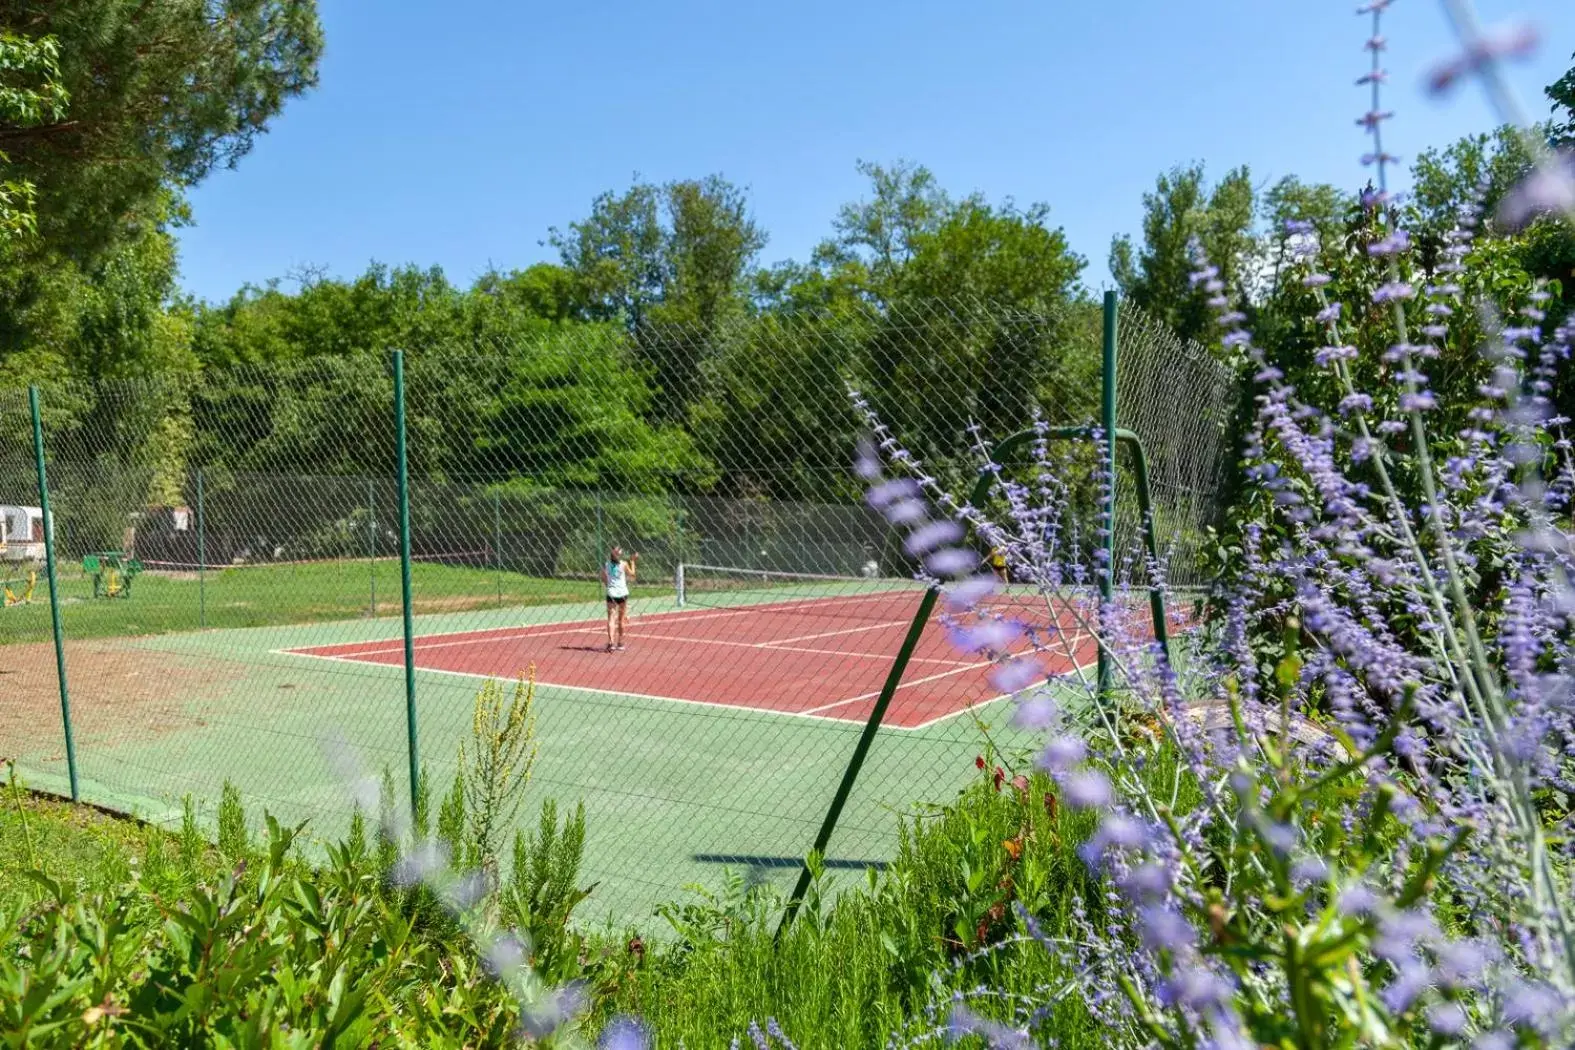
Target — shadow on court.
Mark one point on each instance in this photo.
(748, 861)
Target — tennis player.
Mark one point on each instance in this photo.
(617, 575)
(998, 563)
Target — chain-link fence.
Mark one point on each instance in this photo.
(230, 570)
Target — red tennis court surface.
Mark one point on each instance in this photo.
(816, 658)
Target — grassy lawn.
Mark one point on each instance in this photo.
(272, 595)
(76, 845)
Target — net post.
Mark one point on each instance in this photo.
(371, 543)
(1107, 516)
(403, 468)
(54, 591)
(678, 583)
(202, 559)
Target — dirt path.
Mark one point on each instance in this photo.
(117, 693)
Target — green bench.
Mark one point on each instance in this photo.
(112, 572)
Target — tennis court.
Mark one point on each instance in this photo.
(811, 647)
(716, 739)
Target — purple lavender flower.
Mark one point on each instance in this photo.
(967, 593)
(1063, 753)
(888, 492)
(993, 635)
(1088, 789)
(1164, 928)
(1036, 711)
(931, 536)
(1515, 41)
(1493, 1041)
(1356, 900)
(1116, 830)
(1410, 981)
(420, 863)
(1446, 1018)
(1550, 189)
(625, 1033)
(1016, 675)
(1534, 1005)
(951, 562)
(1398, 241)
(1393, 291)
(867, 461)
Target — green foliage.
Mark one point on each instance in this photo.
(543, 890)
(1182, 206)
(278, 956)
(234, 839)
(1484, 166)
(109, 110)
(127, 936)
(669, 262)
(157, 96)
(1562, 94)
(866, 963)
(451, 822)
(388, 809)
(30, 94)
(494, 774)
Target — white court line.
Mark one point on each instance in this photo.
(905, 683)
(938, 719)
(620, 694)
(785, 648)
(810, 714)
(849, 630)
(526, 631)
(502, 634)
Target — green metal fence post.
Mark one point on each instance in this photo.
(860, 750)
(54, 591)
(371, 540)
(601, 532)
(1107, 578)
(497, 540)
(403, 466)
(202, 559)
(899, 666)
(1156, 593)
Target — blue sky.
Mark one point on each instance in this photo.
(457, 133)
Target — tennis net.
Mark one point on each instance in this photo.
(863, 597)
(720, 586)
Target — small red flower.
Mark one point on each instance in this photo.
(979, 761)
(999, 777)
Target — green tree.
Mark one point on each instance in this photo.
(1182, 207)
(874, 239)
(30, 94)
(1562, 93)
(158, 95)
(672, 262)
(110, 319)
(1480, 167)
(385, 308)
(615, 254)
